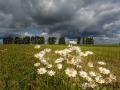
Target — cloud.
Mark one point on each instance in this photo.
(5, 19)
(112, 25)
(67, 17)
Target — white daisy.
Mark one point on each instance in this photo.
(42, 71)
(59, 60)
(104, 70)
(85, 85)
(99, 80)
(51, 73)
(59, 66)
(47, 50)
(49, 66)
(113, 77)
(93, 74)
(89, 52)
(89, 79)
(101, 63)
(39, 55)
(79, 66)
(37, 46)
(83, 74)
(43, 61)
(37, 64)
(90, 64)
(92, 84)
(71, 72)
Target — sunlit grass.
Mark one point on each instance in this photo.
(17, 70)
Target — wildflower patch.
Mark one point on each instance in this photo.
(70, 62)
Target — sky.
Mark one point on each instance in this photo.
(70, 18)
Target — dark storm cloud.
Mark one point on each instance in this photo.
(67, 17)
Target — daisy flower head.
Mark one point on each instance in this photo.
(73, 61)
(83, 74)
(79, 66)
(49, 66)
(92, 84)
(43, 61)
(71, 72)
(104, 70)
(113, 77)
(90, 64)
(37, 64)
(47, 50)
(91, 73)
(89, 52)
(51, 73)
(99, 80)
(85, 85)
(89, 79)
(59, 66)
(101, 63)
(41, 71)
(37, 46)
(59, 60)
(39, 55)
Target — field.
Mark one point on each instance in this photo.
(17, 71)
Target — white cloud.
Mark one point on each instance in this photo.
(44, 34)
(26, 34)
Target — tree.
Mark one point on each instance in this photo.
(4, 41)
(79, 40)
(8, 40)
(41, 40)
(26, 40)
(88, 40)
(83, 40)
(33, 40)
(92, 40)
(51, 40)
(18, 40)
(61, 40)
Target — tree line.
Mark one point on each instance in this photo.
(41, 40)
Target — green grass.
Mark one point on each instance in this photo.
(18, 73)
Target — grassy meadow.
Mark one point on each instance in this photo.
(17, 71)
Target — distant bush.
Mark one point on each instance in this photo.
(61, 40)
(33, 40)
(90, 40)
(26, 40)
(51, 40)
(37, 40)
(83, 40)
(18, 40)
(8, 40)
(41, 40)
(79, 40)
(87, 40)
